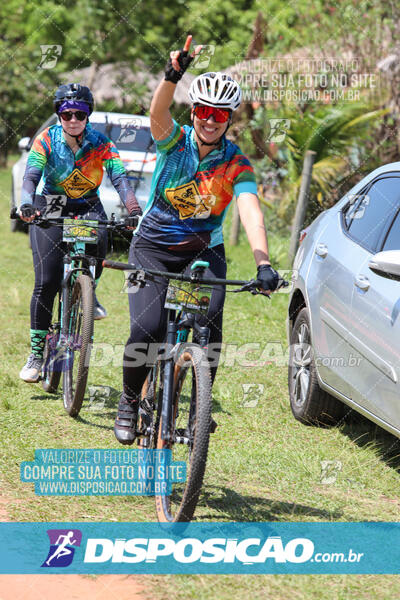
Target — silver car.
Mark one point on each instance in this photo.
(131, 135)
(344, 309)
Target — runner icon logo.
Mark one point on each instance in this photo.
(62, 542)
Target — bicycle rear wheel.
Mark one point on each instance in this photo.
(191, 420)
(53, 356)
(78, 317)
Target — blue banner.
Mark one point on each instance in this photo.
(280, 548)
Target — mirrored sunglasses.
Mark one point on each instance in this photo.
(221, 115)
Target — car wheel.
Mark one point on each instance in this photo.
(309, 403)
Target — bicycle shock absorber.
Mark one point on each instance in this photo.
(92, 267)
(203, 336)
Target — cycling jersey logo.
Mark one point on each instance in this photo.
(62, 542)
(76, 184)
(189, 202)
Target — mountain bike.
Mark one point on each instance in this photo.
(175, 405)
(70, 337)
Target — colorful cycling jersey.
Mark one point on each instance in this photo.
(52, 167)
(189, 197)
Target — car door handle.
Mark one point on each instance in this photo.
(362, 282)
(321, 250)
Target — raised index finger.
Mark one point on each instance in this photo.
(186, 47)
(196, 51)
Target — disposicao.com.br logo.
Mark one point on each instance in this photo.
(213, 550)
(149, 549)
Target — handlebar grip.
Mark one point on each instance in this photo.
(119, 266)
(14, 213)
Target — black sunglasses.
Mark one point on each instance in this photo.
(66, 115)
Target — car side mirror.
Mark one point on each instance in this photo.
(24, 143)
(386, 264)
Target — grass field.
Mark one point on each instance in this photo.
(263, 465)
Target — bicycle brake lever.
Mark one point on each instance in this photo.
(244, 288)
(254, 289)
(248, 287)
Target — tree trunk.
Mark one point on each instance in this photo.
(92, 74)
(302, 202)
(235, 227)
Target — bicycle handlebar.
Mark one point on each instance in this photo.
(59, 221)
(250, 286)
(110, 264)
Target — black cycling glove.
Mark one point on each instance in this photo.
(27, 210)
(184, 60)
(132, 219)
(267, 277)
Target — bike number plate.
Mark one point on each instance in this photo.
(189, 296)
(80, 230)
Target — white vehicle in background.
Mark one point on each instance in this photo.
(131, 135)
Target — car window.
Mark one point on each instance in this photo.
(127, 135)
(392, 241)
(369, 213)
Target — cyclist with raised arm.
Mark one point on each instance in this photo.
(198, 172)
(62, 178)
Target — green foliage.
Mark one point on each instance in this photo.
(227, 25)
(23, 93)
(341, 136)
(338, 135)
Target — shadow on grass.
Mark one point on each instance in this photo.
(240, 507)
(365, 433)
(102, 401)
(45, 396)
(217, 408)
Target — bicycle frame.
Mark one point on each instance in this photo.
(74, 263)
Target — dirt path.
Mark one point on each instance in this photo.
(68, 587)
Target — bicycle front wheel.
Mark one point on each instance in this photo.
(191, 420)
(78, 318)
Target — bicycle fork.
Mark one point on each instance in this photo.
(177, 332)
(168, 387)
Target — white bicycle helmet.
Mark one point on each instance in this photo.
(216, 89)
